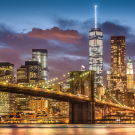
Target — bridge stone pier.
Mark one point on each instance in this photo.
(82, 112)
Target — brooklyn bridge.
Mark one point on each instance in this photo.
(84, 108)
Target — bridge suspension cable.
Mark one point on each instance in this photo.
(113, 99)
(60, 82)
(57, 78)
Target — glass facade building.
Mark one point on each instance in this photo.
(96, 54)
(41, 55)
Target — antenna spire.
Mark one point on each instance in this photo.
(95, 16)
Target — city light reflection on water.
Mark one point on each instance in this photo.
(55, 129)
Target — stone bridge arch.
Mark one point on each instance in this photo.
(77, 80)
(86, 87)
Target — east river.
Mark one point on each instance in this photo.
(59, 129)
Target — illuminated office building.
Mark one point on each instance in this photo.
(7, 72)
(40, 106)
(30, 73)
(59, 108)
(35, 70)
(118, 66)
(96, 53)
(6, 68)
(21, 103)
(4, 103)
(23, 75)
(130, 75)
(13, 103)
(6, 75)
(41, 55)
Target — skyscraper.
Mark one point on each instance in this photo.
(96, 53)
(41, 55)
(130, 75)
(118, 66)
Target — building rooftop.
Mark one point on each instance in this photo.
(129, 60)
(95, 29)
(32, 63)
(118, 37)
(6, 64)
(40, 50)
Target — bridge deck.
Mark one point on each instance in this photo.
(47, 93)
(40, 92)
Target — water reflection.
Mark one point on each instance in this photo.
(55, 129)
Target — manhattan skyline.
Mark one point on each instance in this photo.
(62, 27)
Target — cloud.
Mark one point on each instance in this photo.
(16, 35)
(109, 28)
(63, 53)
(66, 23)
(70, 36)
(62, 57)
(113, 29)
(83, 27)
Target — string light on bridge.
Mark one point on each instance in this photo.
(64, 75)
(58, 77)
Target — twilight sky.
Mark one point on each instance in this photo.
(62, 27)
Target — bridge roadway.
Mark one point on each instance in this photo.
(42, 92)
(47, 93)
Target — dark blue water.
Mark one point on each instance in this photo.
(58, 129)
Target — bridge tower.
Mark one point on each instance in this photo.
(82, 113)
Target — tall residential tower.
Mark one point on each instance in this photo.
(96, 53)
